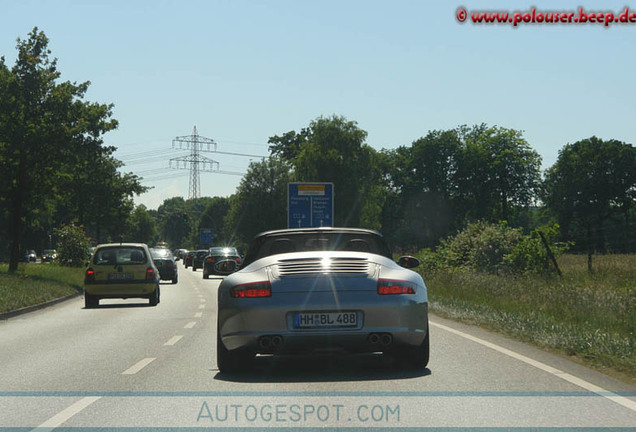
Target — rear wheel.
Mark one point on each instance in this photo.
(231, 361)
(90, 301)
(205, 274)
(175, 280)
(415, 357)
(154, 297)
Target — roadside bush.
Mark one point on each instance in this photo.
(73, 245)
(494, 248)
(530, 255)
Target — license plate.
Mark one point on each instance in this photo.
(120, 276)
(305, 320)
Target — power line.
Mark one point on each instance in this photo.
(195, 162)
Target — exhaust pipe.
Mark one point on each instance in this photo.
(265, 342)
(374, 338)
(386, 339)
(277, 341)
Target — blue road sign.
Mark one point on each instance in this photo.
(309, 205)
(206, 236)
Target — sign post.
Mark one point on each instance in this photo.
(309, 205)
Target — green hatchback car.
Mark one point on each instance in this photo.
(121, 270)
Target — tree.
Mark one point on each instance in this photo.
(174, 222)
(498, 172)
(44, 126)
(421, 188)
(141, 227)
(213, 217)
(334, 150)
(592, 181)
(449, 178)
(260, 202)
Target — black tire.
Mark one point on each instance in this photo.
(232, 361)
(205, 274)
(175, 280)
(420, 355)
(194, 268)
(154, 297)
(90, 301)
(414, 357)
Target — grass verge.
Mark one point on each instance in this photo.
(33, 284)
(591, 316)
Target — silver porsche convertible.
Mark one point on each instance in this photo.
(322, 290)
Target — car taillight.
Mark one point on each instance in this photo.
(394, 287)
(210, 259)
(252, 290)
(150, 273)
(170, 265)
(237, 259)
(89, 276)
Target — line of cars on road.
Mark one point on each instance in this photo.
(297, 291)
(221, 260)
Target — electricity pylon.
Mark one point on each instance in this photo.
(195, 162)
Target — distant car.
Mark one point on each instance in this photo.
(322, 290)
(198, 258)
(221, 260)
(49, 255)
(165, 263)
(179, 254)
(121, 270)
(29, 256)
(187, 260)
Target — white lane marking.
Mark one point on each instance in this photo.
(59, 418)
(190, 325)
(201, 306)
(173, 340)
(202, 300)
(138, 366)
(627, 403)
(198, 314)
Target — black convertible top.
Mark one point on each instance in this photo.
(316, 239)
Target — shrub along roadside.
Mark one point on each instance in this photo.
(34, 284)
(582, 317)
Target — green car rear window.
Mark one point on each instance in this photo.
(120, 256)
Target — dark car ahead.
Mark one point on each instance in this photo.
(187, 259)
(198, 258)
(29, 256)
(49, 255)
(165, 263)
(221, 261)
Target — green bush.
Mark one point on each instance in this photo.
(494, 248)
(530, 255)
(72, 250)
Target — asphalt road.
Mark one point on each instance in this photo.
(129, 365)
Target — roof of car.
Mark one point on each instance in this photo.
(318, 230)
(121, 244)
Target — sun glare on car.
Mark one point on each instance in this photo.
(325, 263)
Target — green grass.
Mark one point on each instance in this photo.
(36, 283)
(588, 315)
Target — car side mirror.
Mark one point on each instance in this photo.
(408, 262)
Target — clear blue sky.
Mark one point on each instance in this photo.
(242, 71)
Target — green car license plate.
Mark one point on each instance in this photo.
(119, 276)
